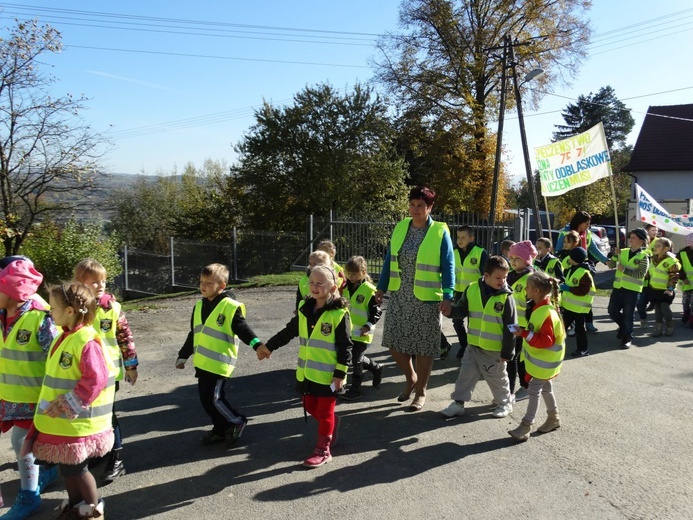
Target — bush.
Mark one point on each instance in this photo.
(56, 249)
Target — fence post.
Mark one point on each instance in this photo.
(331, 230)
(173, 264)
(125, 262)
(310, 232)
(235, 254)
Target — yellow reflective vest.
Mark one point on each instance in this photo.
(304, 286)
(105, 324)
(574, 303)
(358, 309)
(317, 352)
(659, 274)
(485, 327)
(216, 345)
(62, 375)
(470, 270)
(688, 269)
(544, 363)
(622, 280)
(428, 278)
(519, 289)
(22, 360)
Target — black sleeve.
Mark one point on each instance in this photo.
(374, 311)
(460, 308)
(509, 317)
(285, 335)
(482, 261)
(299, 298)
(558, 271)
(241, 328)
(189, 346)
(343, 344)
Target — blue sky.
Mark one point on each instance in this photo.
(200, 88)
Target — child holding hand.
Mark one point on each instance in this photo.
(664, 275)
(543, 350)
(323, 327)
(578, 292)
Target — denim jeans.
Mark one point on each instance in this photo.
(621, 308)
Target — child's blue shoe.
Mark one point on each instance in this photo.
(27, 503)
(46, 477)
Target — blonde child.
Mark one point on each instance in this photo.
(522, 255)
(217, 322)
(27, 334)
(315, 258)
(546, 261)
(330, 249)
(73, 419)
(113, 328)
(664, 275)
(365, 313)
(578, 292)
(543, 344)
(685, 258)
(323, 326)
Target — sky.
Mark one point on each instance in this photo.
(170, 82)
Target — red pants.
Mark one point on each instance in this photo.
(322, 408)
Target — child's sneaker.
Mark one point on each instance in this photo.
(26, 504)
(352, 394)
(454, 409)
(502, 410)
(589, 327)
(211, 438)
(521, 394)
(234, 433)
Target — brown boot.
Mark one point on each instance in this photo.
(552, 422)
(657, 330)
(670, 328)
(521, 433)
(321, 455)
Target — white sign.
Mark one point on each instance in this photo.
(651, 212)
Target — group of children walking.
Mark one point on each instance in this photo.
(60, 365)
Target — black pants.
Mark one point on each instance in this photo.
(516, 368)
(361, 361)
(213, 398)
(570, 317)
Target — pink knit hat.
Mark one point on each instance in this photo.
(20, 280)
(524, 250)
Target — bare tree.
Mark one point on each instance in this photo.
(48, 155)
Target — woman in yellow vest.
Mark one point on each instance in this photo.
(578, 292)
(543, 344)
(685, 257)
(664, 275)
(73, 419)
(27, 334)
(419, 272)
(323, 327)
(631, 267)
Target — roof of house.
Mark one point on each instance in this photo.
(665, 142)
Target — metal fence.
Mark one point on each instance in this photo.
(250, 253)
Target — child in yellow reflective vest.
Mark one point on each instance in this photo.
(578, 292)
(331, 249)
(543, 342)
(323, 327)
(685, 257)
(664, 275)
(315, 258)
(27, 334)
(72, 423)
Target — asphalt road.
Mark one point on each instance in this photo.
(625, 449)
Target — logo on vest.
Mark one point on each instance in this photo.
(473, 261)
(65, 360)
(106, 325)
(360, 299)
(326, 329)
(498, 306)
(530, 327)
(575, 280)
(23, 336)
(221, 319)
(518, 288)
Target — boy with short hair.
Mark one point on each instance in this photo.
(505, 247)
(470, 259)
(577, 295)
(217, 323)
(490, 307)
(546, 261)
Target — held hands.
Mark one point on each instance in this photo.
(263, 352)
(378, 297)
(131, 376)
(518, 332)
(445, 308)
(621, 267)
(364, 330)
(180, 363)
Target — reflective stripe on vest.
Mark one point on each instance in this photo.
(22, 360)
(62, 375)
(317, 352)
(622, 280)
(216, 345)
(105, 323)
(519, 289)
(659, 274)
(358, 310)
(574, 303)
(688, 269)
(470, 270)
(485, 327)
(545, 363)
(427, 278)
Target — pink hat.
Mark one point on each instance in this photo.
(524, 250)
(20, 280)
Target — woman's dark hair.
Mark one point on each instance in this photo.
(423, 193)
(579, 218)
